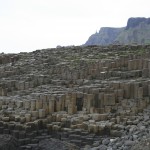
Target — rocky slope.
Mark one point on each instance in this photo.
(137, 31)
(94, 97)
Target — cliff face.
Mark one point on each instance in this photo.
(136, 31)
(134, 22)
(105, 36)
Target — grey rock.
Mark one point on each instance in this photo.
(95, 148)
(135, 122)
(102, 147)
(125, 148)
(95, 144)
(116, 133)
(143, 144)
(8, 142)
(129, 143)
(142, 128)
(55, 144)
(119, 144)
(135, 137)
(114, 147)
(146, 118)
(105, 141)
(87, 147)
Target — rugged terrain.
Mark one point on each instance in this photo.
(137, 31)
(92, 97)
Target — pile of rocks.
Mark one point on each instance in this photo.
(95, 96)
(8, 142)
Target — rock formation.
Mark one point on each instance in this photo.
(8, 142)
(93, 97)
(134, 22)
(55, 144)
(106, 36)
(136, 31)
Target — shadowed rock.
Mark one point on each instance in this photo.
(142, 145)
(54, 144)
(7, 142)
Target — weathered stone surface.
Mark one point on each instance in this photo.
(8, 142)
(54, 144)
(144, 144)
(77, 94)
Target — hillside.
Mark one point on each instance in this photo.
(137, 31)
(71, 98)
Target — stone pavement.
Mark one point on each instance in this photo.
(90, 96)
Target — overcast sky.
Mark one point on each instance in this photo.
(27, 25)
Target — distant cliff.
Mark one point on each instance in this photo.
(105, 36)
(137, 31)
